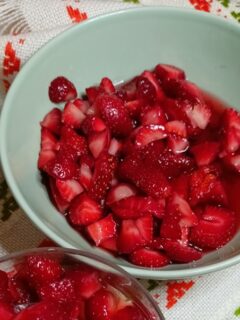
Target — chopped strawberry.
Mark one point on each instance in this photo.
(133, 107)
(92, 124)
(103, 174)
(48, 140)
(120, 191)
(59, 290)
(114, 114)
(130, 89)
(93, 93)
(68, 189)
(72, 115)
(52, 121)
(114, 147)
(149, 258)
(231, 133)
(150, 133)
(44, 157)
(130, 312)
(177, 144)
(145, 227)
(178, 252)
(181, 185)
(154, 115)
(4, 295)
(175, 111)
(176, 127)
(103, 229)
(166, 72)
(233, 162)
(20, 290)
(58, 201)
(99, 142)
(61, 168)
(107, 86)
(76, 141)
(61, 89)
(110, 244)
(150, 76)
(199, 114)
(216, 227)
(205, 153)
(85, 175)
(84, 211)
(6, 311)
(101, 306)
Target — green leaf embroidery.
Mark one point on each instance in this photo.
(133, 1)
(8, 203)
(152, 284)
(237, 312)
(225, 3)
(236, 15)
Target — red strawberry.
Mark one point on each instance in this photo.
(61, 89)
(154, 115)
(44, 157)
(181, 185)
(99, 142)
(133, 207)
(178, 252)
(120, 191)
(176, 127)
(43, 269)
(20, 291)
(145, 227)
(232, 161)
(199, 114)
(205, 187)
(107, 86)
(6, 311)
(216, 227)
(93, 93)
(177, 144)
(58, 201)
(175, 111)
(166, 72)
(84, 211)
(85, 175)
(150, 133)
(146, 90)
(103, 174)
(109, 244)
(101, 306)
(85, 279)
(61, 168)
(114, 147)
(148, 258)
(76, 141)
(68, 189)
(231, 133)
(130, 89)
(72, 115)
(133, 107)
(48, 140)
(114, 114)
(4, 294)
(92, 124)
(52, 121)
(59, 290)
(103, 229)
(150, 76)
(205, 153)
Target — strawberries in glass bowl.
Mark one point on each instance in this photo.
(54, 283)
(143, 169)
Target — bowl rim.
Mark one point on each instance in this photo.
(76, 252)
(135, 271)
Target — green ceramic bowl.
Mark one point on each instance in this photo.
(118, 45)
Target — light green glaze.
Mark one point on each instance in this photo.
(119, 45)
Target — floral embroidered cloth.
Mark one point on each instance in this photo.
(25, 25)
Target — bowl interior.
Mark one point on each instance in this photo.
(119, 46)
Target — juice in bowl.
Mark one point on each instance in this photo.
(65, 284)
(148, 170)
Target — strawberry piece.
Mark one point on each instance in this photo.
(84, 211)
(103, 229)
(216, 227)
(93, 93)
(148, 134)
(52, 121)
(232, 161)
(146, 90)
(86, 281)
(205, 187)
(199, 115)
(19, 289)
(145, 227)
(120, 191)
(205, 153)
(133, 107)
(175, 111)
(178, 252)
(177, 144)
(101, 305)
(148, 258)
(133, 207)
(231, 133)
(4, 294)
(59, 290)
(129, 313)
(129, 89)
(48, 140)
(176, 127)
(92, 124)
(150, 76)
(76, 141)
(155, 115)
(114, 147)
(99, 142)
(114, 114)
(72, 115)
(166, 72)
(181, 186)
(57, 200)
(68, 189)
(61, 89)
(44, 157)
(107, 86)
(61, 168)
(6, 311)
(43, 269)
(109, 244)
(85, 176)
(103, 174)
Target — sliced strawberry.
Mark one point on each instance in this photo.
(85, 176)
(178, 252)
(103, 229)
(57, 200)
(176, 127)
(20, 290)
(84, 211)
(130, 89)
(131, 312)
(48, 140)
(199, 114)
(82, 105)
(93, 93)
(146, 90)
(76, 141)
(133, 107)
(103, 174)
(177, 144)
(92, 124)
(181, 185)
(68, 189)
(145, 227)
(150, 133)
(233, 162)
(205, 186)
(44, 157)
(148, 258)
(231, 133)
(154, 115)
(133, 207)
(205, 153)
(59, 290)
(114, 147)
(101, 306)
(4, 294)
(120, 191)
(61, 89)
(72, 115)
(150, 76)
(98, 142)
(52, 121)
(216, 227)
(86, 281)
(175, 110)
(114, 114)
(109, 244)
(61, 168)
(6, 311)
(107, 86)
(166, 72)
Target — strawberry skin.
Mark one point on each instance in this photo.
(72, 115)
(61, 89)
(205, 153)
(166, 72)
(52, 121)
(59, 290)
(149, 258)
(68, 189)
